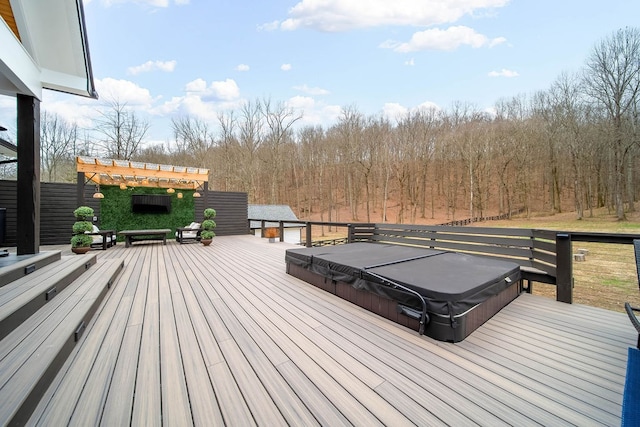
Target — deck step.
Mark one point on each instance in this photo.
(13, 267)
(33, 353)
(24, 296)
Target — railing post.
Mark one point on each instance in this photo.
(281, 231)
(350, 233)
(262, 228)
(308, 237)
(564, 268)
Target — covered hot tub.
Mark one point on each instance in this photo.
(445, 295)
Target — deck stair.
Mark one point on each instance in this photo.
(38, 331)
(23, 297)
(13, 266)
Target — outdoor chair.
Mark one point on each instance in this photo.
(631, 311)
(189, 233)
(102, 238)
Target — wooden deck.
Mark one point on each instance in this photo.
(221, 335)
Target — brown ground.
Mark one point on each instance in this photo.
(606, 279)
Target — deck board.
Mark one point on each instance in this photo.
(222, 335)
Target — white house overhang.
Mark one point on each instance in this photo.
(46, 47)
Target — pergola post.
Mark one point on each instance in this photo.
(28, 186)
(80, 189)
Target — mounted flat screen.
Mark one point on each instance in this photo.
(150, 203)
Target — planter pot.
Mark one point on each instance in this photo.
(206, 242)
(81, 250)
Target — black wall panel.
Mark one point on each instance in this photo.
(58, 201)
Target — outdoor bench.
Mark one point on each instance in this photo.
(139, 235)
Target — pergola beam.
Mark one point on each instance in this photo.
(116, 172)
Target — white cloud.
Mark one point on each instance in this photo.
(124, 91)
(167, 66)
(394, 111)
(344, 15)
(197, 85)
(428, 105)
(437, 39)
(313, 112)
(242, 67)
(285, 67)
(311, 90)
(203, 100)
(503, 73)
(83, 111)
(410, 62)
(224, 90)
(269, 26)
(168, 107)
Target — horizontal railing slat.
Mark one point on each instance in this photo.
(522, 242)
(439, 244)
(493, 231)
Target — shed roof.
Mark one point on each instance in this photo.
(44, 45)
(273, 213)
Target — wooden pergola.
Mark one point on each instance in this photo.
(138, 174)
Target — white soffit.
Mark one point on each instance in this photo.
(53, 33)
(18, 72)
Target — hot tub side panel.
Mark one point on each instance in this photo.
(370, 301)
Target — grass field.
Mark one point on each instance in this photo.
(608, 277)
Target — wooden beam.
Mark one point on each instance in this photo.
(151, 184)
(162, 176)
(28, 205)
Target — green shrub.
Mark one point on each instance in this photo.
(83, 213)
(208, 224)
(81, 240)
(209, 213)
(207, 234)
(82, 226)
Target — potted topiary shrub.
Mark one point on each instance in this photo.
(207, 234)
(80, 241)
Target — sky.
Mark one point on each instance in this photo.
(167, 59)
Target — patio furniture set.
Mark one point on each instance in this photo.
(104, 239)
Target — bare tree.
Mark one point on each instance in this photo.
(229, 156)
(122, 131)
(193, 139)
(612, 79)
(279, 120)
(57, 142)
(250, 137)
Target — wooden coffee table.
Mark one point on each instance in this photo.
(138, 235)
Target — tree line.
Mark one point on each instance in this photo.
(572, 147)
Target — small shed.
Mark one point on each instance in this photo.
(274, 214)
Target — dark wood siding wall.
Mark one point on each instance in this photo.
(8, 201)
(231, 209)
(58, 201)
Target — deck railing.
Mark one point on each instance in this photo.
(544, 256)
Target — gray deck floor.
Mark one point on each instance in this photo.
(221, 335)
